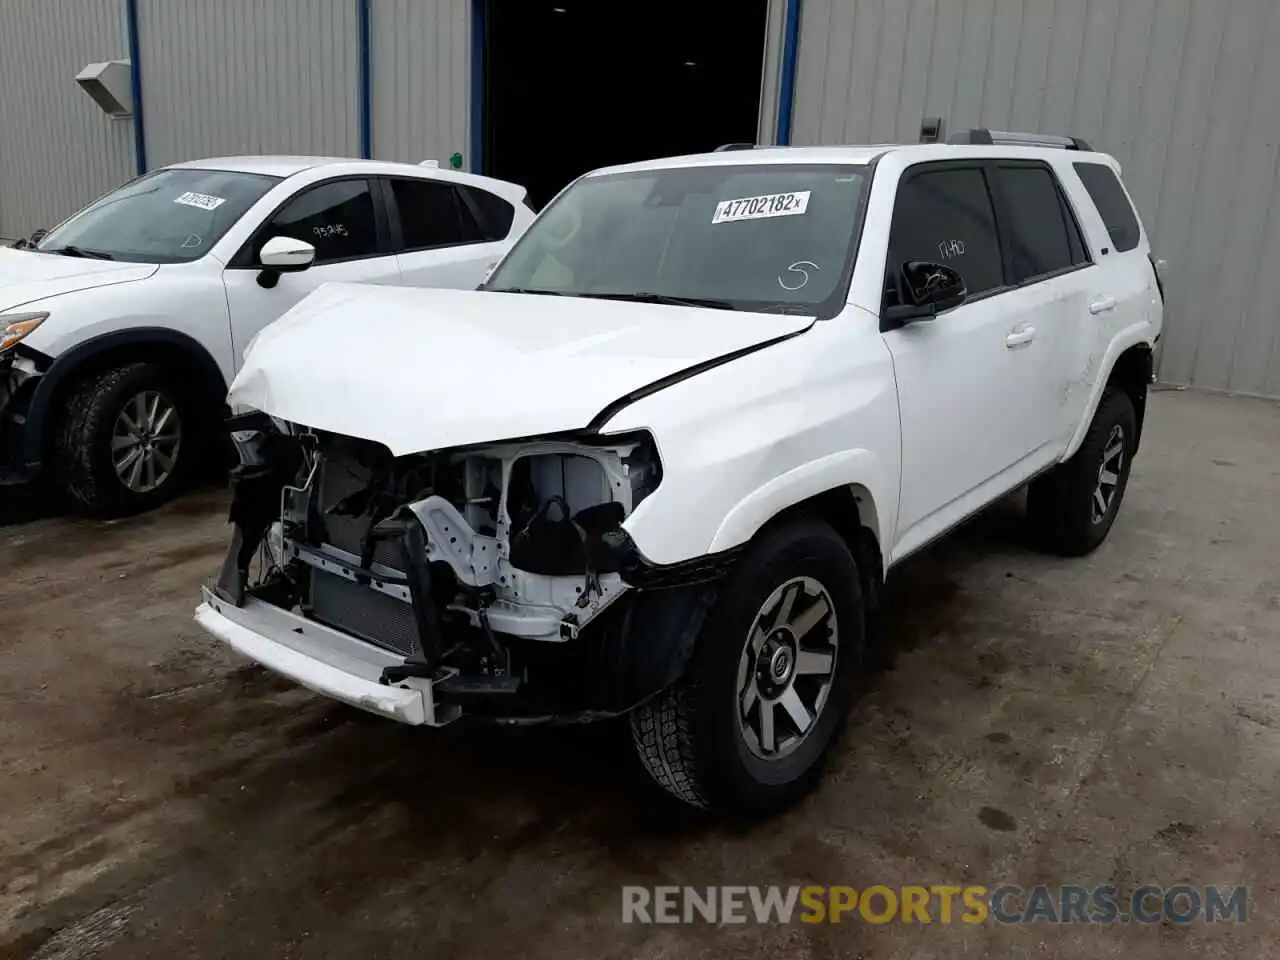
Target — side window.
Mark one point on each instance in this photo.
(336, 218)
(432, 215)
(1036, 222)
(946, 216)
(1112, 203)
(494, 214)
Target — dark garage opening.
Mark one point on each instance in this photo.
(571, 85)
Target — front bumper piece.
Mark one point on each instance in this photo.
(324, 660)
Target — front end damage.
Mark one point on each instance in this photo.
(493, 580)
(21, 370)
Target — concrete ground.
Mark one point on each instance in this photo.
(1114, 720)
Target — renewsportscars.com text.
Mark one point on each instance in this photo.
(939, 903)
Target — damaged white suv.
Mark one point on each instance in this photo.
(659, 465)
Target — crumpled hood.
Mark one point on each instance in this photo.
(26, 276)
(417, 369)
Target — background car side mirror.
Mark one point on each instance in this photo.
(283, 255)
(928, 289)
(31, 242)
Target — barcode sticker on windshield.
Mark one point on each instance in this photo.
(201, 200)
(758, 208)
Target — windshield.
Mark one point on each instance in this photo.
(748, 237)
(170, 216)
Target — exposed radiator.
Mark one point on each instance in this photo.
(341, 603)
(340, 478)
(363, 612)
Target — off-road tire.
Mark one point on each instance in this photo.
(688, 738)
(83, 443)
(1059, 510)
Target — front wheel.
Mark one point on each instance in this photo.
(746, 731)
(128, 442)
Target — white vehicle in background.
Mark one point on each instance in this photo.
(121, 328)
(660, 463)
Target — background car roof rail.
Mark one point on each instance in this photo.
(1013, 138)
(734, 146)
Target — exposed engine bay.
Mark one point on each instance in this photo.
(501, 573)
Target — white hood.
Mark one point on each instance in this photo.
(26, 276)
(417, 369)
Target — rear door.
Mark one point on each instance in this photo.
(1119, 293)
(344, 220)
(1048, 263)
(446, 234)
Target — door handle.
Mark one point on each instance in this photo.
(1102, 305)
(1020, 336)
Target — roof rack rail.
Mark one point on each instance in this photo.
(1011, 138)
(734, 146)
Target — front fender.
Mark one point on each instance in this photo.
(845, 468)
(744, 441)
(70, 363)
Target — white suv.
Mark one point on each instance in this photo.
(660, 464)
(121, 328)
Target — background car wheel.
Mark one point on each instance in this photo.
(1071, 509)
(745, 732)
(128, 440)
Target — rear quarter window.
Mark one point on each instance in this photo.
(493, 214)
(1113, 204)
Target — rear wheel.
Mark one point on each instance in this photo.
(1071, 509)
(127, 442)
(747, 729)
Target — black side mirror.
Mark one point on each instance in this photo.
(927, 289)
(31, 242)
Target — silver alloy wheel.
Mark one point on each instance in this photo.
(787, 667)
(145, 441)
(1108, 475)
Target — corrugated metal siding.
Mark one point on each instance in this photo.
(421, 54)
(249, 76)
(775, 27)
(1182, 92)
(58, 151)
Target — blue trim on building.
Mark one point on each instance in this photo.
(135, 85)
(476, 164)
(787, 80)
(365, 67)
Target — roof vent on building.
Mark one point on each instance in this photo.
(111, 85)
(932, 129)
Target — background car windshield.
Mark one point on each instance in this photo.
(759, 237)
(169, 216)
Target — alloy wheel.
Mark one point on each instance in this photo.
(145, 441)
(1104, 493)
(787, 668)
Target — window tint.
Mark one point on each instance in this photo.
(336, 218)
(945, 216)
(1036, 227)
(1109, 197)
(494, 213)
(432, 215)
